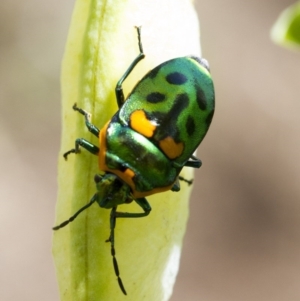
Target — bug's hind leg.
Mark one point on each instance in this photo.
(176, 186)
(119, 89)
(193, 162)
(189, 182)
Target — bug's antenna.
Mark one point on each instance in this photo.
(111, 239)
(93, 200)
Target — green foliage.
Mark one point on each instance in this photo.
(101, 44)
(286, 30)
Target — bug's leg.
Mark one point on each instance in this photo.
(189, 182)
(176, 186)
(91, 202)
(119, 88)
(85, 144)
(111, 239)
(142, 202)
(194, 162)
(87, 116)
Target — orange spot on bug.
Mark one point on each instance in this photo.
(142, 125)
(127, 175)
(171, 148)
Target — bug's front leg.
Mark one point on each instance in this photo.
(142, 202)
(66, 222)
(111, 239)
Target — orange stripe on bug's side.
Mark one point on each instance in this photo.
(142, 125)
(171, 149)
(127, 175)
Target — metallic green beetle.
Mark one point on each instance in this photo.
(152, 136)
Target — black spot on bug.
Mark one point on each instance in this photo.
(180, 103)
(209, 118)
(190, 126)
(200, 97)
(168, 121)
(176, 78)
(153, 73)
(155, 97)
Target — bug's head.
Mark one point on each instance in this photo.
(111, 190)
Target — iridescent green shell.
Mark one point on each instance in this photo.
(177, 97)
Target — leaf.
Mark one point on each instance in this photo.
(286, 30)
(102, 42)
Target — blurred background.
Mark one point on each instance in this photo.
(243, 237)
